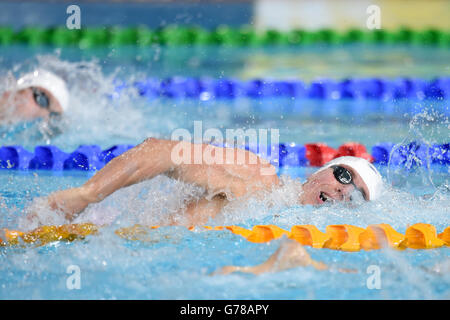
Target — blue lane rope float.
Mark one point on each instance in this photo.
(365, 88)
(92, 157)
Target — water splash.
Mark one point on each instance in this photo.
(426, 128)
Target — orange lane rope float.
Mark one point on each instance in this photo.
(381, 235)
(445, 236)
(342, 237)
(422, 235)
(46, 234)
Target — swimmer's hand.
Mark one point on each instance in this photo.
(290, 254)
(58, 208)
(71, 201)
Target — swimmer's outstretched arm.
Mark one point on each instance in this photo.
(154, 157)
(147, 160)
(290, 254)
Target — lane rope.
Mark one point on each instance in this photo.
(342, 237)
(92, 157)
(221, 36)
(357, 89)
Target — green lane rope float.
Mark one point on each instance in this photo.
(225, 36)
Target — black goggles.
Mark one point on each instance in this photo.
(344, 176)
(43, 100)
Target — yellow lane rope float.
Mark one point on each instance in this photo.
(337, 237)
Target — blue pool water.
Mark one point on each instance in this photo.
(91, 75)
(176, 263)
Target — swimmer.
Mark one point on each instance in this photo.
(338, 180)
(38, 94)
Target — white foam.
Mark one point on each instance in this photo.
(152, 202)
(39, 213)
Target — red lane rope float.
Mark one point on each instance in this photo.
(342, 237)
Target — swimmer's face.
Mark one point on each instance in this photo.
(322, 187)
(32, 103)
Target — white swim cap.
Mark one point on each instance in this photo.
(48, 81)
(368, 173)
